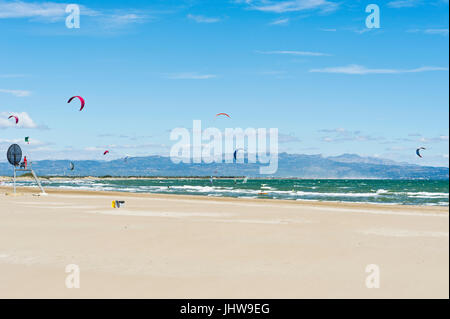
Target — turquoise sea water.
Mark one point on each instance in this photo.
(404, 192)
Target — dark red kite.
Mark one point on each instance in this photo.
(13, 116)
(80, 98)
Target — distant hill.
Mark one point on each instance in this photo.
(353, 158)
(290, 165)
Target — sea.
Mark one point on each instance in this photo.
(399, 192)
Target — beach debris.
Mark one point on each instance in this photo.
(418, 151)
(14, 117)
(117, 203)
(78, 97)
(223, 114)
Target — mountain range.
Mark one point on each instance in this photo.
(289, 165)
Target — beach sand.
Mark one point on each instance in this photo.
(172, 246)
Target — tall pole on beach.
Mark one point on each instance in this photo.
(14, 180)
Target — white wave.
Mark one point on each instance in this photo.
(301, 193)
(427, 195)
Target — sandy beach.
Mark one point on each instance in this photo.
(173, 246)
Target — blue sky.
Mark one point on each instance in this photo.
(310, 68)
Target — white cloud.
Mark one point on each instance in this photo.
(358, 69)
(286, 138)
(338, 130)
(295, 53)
(18, 93)
(54, 12)
(202, 19)
(94, 149)
(280, 22)
(25, 120)
(118, 20)
(19, 9)
(364, 30)
(190, 76)
(436, 31)
(10, 76)
(126, 18)
(46, 10)
(32, 143)
(403, 3)
(343, 135)
(291, 5)
(441, 138)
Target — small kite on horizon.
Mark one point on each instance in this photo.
(418, 151)
(236, 151)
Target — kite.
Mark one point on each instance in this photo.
(15, 117)
(418, 151)
(235, 153)
(27, 139)
(224, 114)
(105, 152)
(80, 98)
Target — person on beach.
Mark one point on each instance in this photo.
(24, 163)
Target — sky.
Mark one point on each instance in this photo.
(311, 68)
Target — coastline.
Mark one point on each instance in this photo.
(110, 177)
(338, 204)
